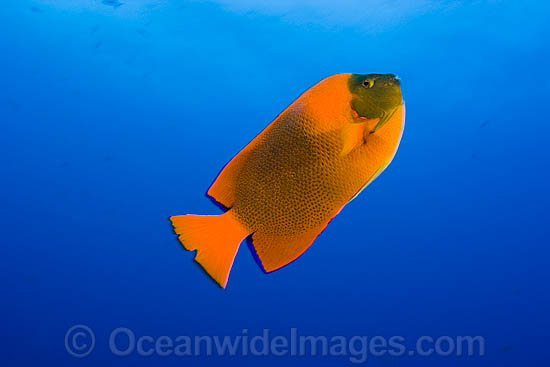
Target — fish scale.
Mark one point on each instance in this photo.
(286, 185)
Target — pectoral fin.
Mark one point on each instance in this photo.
(352, 137)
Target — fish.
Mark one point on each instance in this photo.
(114, 3)
(284, 187)
(36, 9)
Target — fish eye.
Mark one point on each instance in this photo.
(368, 83)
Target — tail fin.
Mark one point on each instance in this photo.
(216, 239)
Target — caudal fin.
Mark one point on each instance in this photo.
(216, 239)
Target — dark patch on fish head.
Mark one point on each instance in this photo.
(375, 96)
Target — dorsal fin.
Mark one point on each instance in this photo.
(223, 188)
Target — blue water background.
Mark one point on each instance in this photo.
(114, 118)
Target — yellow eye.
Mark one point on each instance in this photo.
(368, 83)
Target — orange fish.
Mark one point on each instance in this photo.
(286, 185)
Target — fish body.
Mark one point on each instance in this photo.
(286, 185)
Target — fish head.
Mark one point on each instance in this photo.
(375, 96)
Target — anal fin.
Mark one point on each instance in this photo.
(274, 252)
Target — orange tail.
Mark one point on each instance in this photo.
(216, 239)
